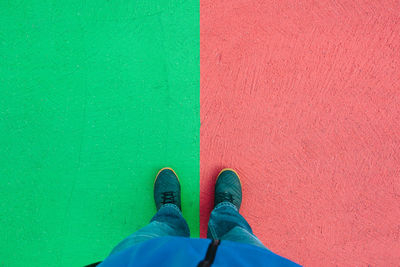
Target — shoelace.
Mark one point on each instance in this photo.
(168, 197)
(224, 196)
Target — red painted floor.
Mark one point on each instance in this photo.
(303, 99)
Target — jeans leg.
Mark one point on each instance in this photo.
(168, 221)
(227, 224)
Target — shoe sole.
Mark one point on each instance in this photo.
(229, 169)
(166, 168)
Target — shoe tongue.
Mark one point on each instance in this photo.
(225, 196)
(168, 197)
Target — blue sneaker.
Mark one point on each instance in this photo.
(167, 189)
(228, 188)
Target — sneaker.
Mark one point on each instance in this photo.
(167, 189)
(228, 188)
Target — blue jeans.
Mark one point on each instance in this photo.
(225, 224)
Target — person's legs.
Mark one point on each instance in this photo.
(226, 223)
(168, 220)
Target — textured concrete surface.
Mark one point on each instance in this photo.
(95, 96)
(303, 99)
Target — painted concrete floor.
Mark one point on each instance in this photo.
(302, 98)
(95, 97)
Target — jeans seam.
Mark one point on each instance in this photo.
(213, 232)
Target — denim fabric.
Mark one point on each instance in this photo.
(226, 223)
(168, 221)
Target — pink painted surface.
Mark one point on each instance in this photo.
(303, 99)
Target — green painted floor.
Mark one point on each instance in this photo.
(95, 97)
